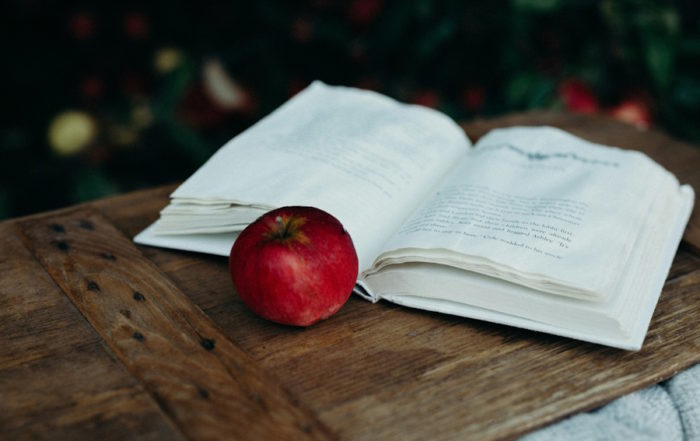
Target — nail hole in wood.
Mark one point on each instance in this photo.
(207, 344)
(58, 228)
(139, 297)
(108, 256)
(86, 224)
(138, 336)
(93, 286)
(161, 402)
(61, 245)
(203, 393)
(257, 399)
(305, 427)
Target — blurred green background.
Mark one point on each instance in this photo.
(104, 98)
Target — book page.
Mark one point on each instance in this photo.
(365, 158)
(620, 320)
(539, 207)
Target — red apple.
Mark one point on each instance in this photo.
(294, 265)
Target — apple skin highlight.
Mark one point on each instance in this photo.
(294, 265)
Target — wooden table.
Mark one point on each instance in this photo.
(102, 339)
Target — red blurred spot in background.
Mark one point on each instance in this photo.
(578, 97)
(363, 12)
(136, 26)
(82, 25)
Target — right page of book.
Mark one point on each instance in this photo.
(539, 207)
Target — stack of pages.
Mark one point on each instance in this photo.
(530, 227)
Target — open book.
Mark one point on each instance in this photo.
(530, 227)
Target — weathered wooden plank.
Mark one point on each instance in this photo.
(57, 380)
(679, 157)
(207, 385)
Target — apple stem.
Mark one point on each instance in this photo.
(281, 227)
(286, 229)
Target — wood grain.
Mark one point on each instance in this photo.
(393, 373)
(207, 385)
(57, 380)
(681, 158)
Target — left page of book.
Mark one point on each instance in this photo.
(363, 157)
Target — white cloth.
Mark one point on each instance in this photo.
(666, 411)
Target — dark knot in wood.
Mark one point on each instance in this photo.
(58, 228)
(61, 245)
(207, 344)
(86, 224)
